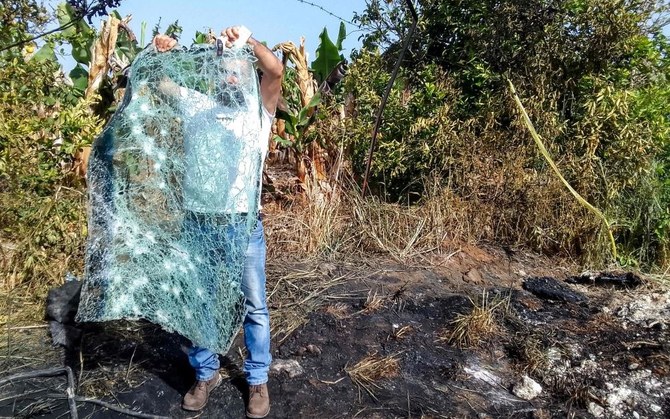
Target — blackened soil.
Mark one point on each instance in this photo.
(580, 352)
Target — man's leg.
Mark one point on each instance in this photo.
(256, 325)
(207, 377)
(204, 362)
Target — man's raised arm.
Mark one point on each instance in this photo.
(269, 64)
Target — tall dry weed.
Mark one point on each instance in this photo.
(311, 226)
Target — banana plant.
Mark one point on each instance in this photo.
(296, 125)
(100, 56)
(328, 54)
(303, 96)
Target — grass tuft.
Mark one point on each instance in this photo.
(469, 330)
(371, 369)
(373, 302)
(337, 310)
(402, 332)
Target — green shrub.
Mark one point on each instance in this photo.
(42, 125)
(593, 76)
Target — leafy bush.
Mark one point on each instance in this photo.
(416, 134)
(42, 124)
(593, 75)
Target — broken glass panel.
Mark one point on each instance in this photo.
(174, 188)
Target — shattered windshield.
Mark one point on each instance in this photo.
(174, 187)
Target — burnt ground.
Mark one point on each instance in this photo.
(604, 353)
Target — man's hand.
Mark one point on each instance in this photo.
(269, 64)
(163, 43)
(231, 33)
(236, 36)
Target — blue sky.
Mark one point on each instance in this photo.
(270, 21)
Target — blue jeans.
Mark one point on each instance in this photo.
(256, 321)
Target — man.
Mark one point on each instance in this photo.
(256, 322)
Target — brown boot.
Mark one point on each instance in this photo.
(197, 396)
(259, 402)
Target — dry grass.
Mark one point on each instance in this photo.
(523, 209)
(20, 309)
(401, 333)
(389, 228)
(312, 225)
(296, 293)
(662, 278)
(371, 369)
(405, 232)
(340, 223)
(22, 330)
(574, 387)
(533, 355)
(22, 349)
(469, 330)
(337, 310)
(374, 302)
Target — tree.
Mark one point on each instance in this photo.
(42, 124)
(593, 75)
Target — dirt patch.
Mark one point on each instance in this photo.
(371, 340)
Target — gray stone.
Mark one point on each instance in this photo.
(289, 366)
(527, 388)
(596, 410)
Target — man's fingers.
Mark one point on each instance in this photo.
(164, 43)
(231, 33)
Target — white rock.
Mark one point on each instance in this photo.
(636, 415)
(655, 408)
(596, 410)
(289, 366)
(527, 388)
(481, 374)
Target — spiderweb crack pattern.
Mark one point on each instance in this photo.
(174, 189)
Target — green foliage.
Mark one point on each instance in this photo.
(42, 124)
(414, 135)
(19, 17)
(174, 29)
(328, 54)
(298, 118)
(79, 77)
(297, 125)
(593, 75)
(82, 38)
(77, 33)
(46, 53)
(200, 38)
(341, 36)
